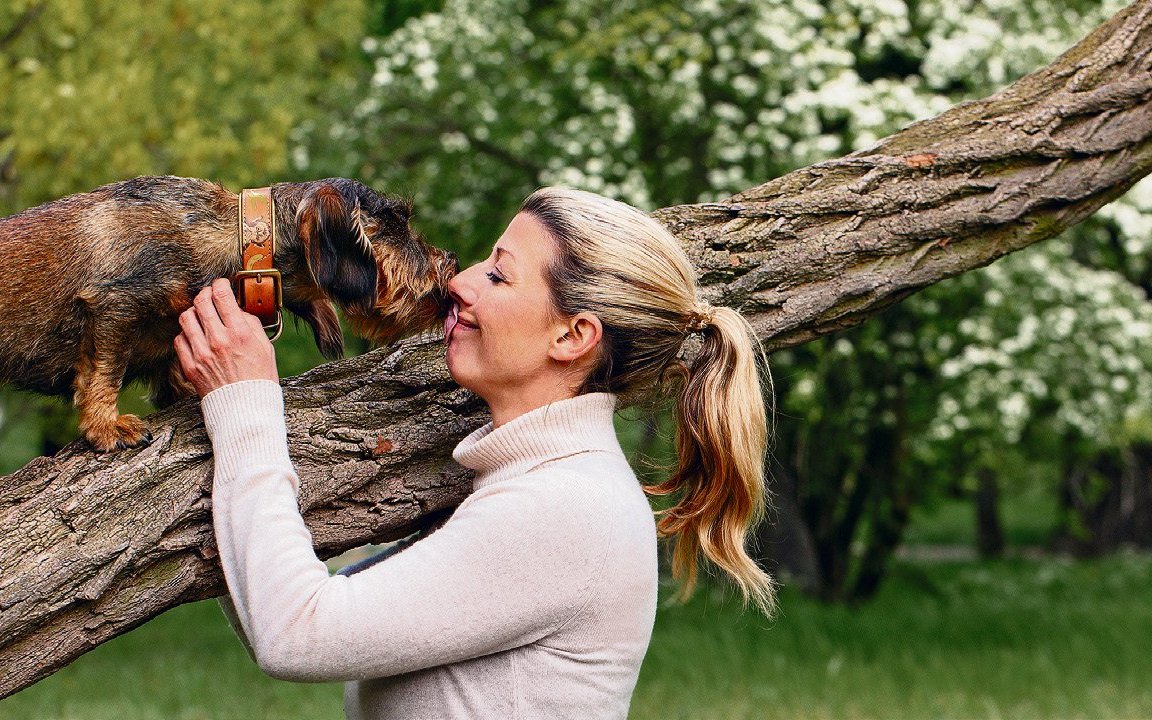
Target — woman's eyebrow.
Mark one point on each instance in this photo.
(504, 251)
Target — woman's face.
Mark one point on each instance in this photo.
(500, 334)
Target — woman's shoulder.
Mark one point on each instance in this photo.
(595, 473)
(563, 488)
(597, 491)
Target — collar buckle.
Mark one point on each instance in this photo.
(261, 293)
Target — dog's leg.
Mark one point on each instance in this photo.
(170, 386)
(97, 387)
(99, 375)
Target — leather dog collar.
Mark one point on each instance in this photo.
(257, 284)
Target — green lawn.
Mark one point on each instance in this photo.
(1020, 638)
(1017, 639)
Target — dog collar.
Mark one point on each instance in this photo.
(257, 284)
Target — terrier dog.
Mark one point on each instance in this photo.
(92, 285)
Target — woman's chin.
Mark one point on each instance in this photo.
(461, 371)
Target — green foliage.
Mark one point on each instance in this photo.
(100, 91)
(659, 102)
(387, 16)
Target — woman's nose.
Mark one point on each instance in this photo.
(460, 287)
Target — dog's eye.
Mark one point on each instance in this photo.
(495, 277)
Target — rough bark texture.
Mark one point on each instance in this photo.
(96, 545)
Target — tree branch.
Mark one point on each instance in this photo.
(95, 545)
(827, 246)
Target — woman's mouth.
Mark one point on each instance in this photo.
(454, 321)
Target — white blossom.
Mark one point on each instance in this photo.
(637, 100)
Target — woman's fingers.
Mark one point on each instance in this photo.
(224, 302)
(184, 354)
(213, 326)
(221, 344)
(193, 331)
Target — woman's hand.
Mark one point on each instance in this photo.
(221, 344)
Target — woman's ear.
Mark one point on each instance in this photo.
(576, 338)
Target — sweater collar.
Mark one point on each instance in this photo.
(565, 427)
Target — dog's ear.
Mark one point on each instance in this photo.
(321, 317)
(336, 245)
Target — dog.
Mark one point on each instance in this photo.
(92, 285)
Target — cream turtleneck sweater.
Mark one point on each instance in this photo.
(535, 600)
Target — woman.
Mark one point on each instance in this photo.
(537, 598)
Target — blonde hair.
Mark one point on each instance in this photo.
(630, 271)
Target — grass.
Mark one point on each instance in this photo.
(1022, 638)
(184, 665)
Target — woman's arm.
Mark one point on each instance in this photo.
(516, 561)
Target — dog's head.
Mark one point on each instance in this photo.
(361, 254)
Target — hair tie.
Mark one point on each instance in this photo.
(700, 319)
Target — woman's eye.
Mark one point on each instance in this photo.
(494, 277)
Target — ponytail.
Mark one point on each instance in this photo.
(721, 439)
(627, 269)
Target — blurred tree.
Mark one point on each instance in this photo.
(96, 91)
(1107, 502)
(388, 16)
(661, 102)
(93, 91)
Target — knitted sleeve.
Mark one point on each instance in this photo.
(514, 563)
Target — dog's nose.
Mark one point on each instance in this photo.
(451, 261)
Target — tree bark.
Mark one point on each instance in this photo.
(96, 545)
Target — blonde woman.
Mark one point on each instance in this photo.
(537, 598)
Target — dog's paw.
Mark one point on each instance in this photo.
(128, 431)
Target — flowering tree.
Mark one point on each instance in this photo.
(661, 102)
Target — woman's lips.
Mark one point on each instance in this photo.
(454, 320)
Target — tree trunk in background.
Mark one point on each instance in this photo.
(1107, 503)
(989, 528)
(95, 545)
(885, 462)
(784, 543)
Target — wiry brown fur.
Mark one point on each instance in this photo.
(91, 285)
